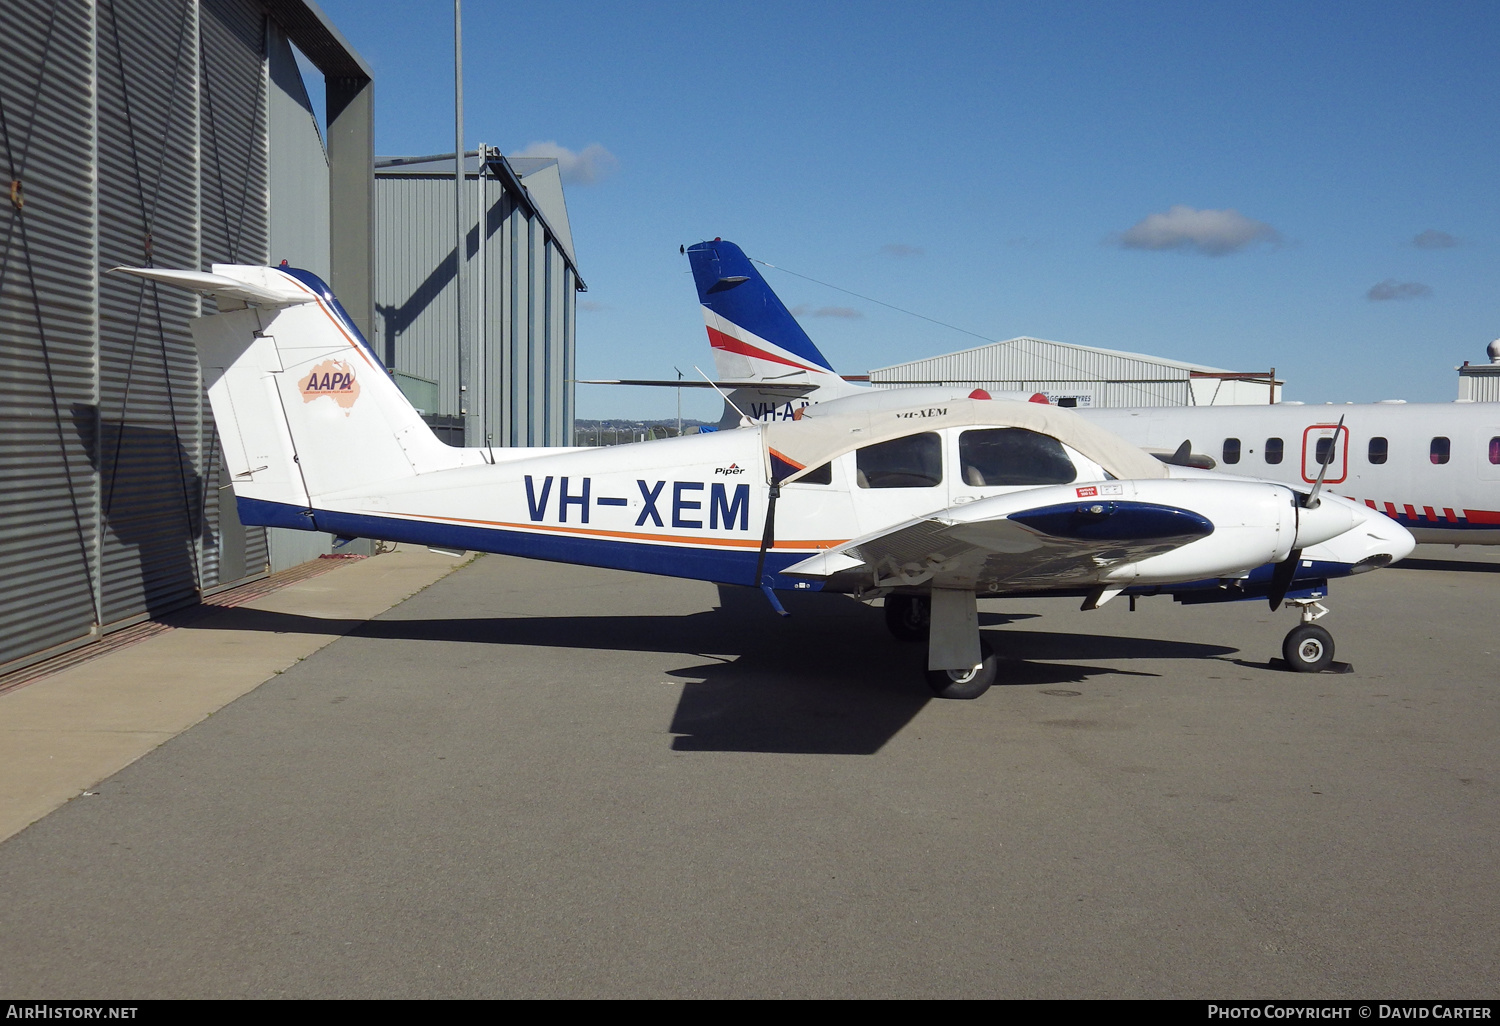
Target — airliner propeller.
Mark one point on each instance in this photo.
(1281, 578)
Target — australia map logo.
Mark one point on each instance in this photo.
(331, 378)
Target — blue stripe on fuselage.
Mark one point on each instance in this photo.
(721, 566)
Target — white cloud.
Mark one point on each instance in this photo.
(591, 164)
(901, 249)
(847, 312)
(1392, 289)
(1434, 239)
(1212, 232)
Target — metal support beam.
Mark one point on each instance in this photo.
(351, 187)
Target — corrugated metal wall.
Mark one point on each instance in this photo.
(1028, 364)
(49, 492)
(521, 297)
(137, 131)
(1478, 385)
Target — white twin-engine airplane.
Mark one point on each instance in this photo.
(1432, 467)
(930, 506)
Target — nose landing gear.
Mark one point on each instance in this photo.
(1308, 648)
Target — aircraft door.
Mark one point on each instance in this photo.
(1325, 443)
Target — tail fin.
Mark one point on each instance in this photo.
(754, 336)
(304, 407)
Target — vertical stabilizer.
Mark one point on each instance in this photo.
(753, 335)
(304, 408)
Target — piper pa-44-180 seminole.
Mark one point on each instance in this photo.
(930, 506)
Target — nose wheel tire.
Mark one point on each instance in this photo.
(908, 617)
(970, 683)
(1308, 648)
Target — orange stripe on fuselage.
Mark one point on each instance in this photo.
(735, 543)
(353, 342)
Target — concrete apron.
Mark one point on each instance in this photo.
(64, 734)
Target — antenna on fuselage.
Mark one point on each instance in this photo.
(721, 392)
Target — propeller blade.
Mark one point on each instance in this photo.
(1183, 454)
(1312, 501)
(1281, 578)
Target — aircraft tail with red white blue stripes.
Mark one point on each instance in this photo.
(755, 338)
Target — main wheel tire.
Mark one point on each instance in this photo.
(1308, 648)
(969, 683)
(908, 617)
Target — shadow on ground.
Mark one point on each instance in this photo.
(1465, 565)
(828, 679)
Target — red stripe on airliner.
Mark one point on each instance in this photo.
(1449, 513)
(1482, 516)
(718, 340)
(1429, 511)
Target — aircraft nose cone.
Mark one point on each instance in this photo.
(1383, 539)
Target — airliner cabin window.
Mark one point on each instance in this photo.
(1273, 450)
(1495, 449)
(1438, 452)
(818, 475)
(1231, 450)
(915, 461)
(1379, 449)
(1324, 454)
(1012, 456)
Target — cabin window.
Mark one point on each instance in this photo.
(1379, 449)
(1438, 451)
(1274, 450)
(1231, 450)
(1324, 453)
(818, 475)
(915, 461)
(1012, 456)
(1495, 449)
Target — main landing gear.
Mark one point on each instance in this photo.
(960, 664)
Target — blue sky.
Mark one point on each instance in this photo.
(1242, 185)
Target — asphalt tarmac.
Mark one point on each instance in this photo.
(533, 780)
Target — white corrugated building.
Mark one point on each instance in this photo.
(1480, 383)
(1085, 376)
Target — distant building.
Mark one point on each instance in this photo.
(1480, 383)
(519, 292)
(1084, 376)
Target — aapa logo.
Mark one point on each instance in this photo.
(730, 471)
(332, 378)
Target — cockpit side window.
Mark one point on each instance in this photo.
(915, 461)
(1013, 456)
(818, 475)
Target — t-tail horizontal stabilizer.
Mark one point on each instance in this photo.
(252, 286)
(304, 408)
